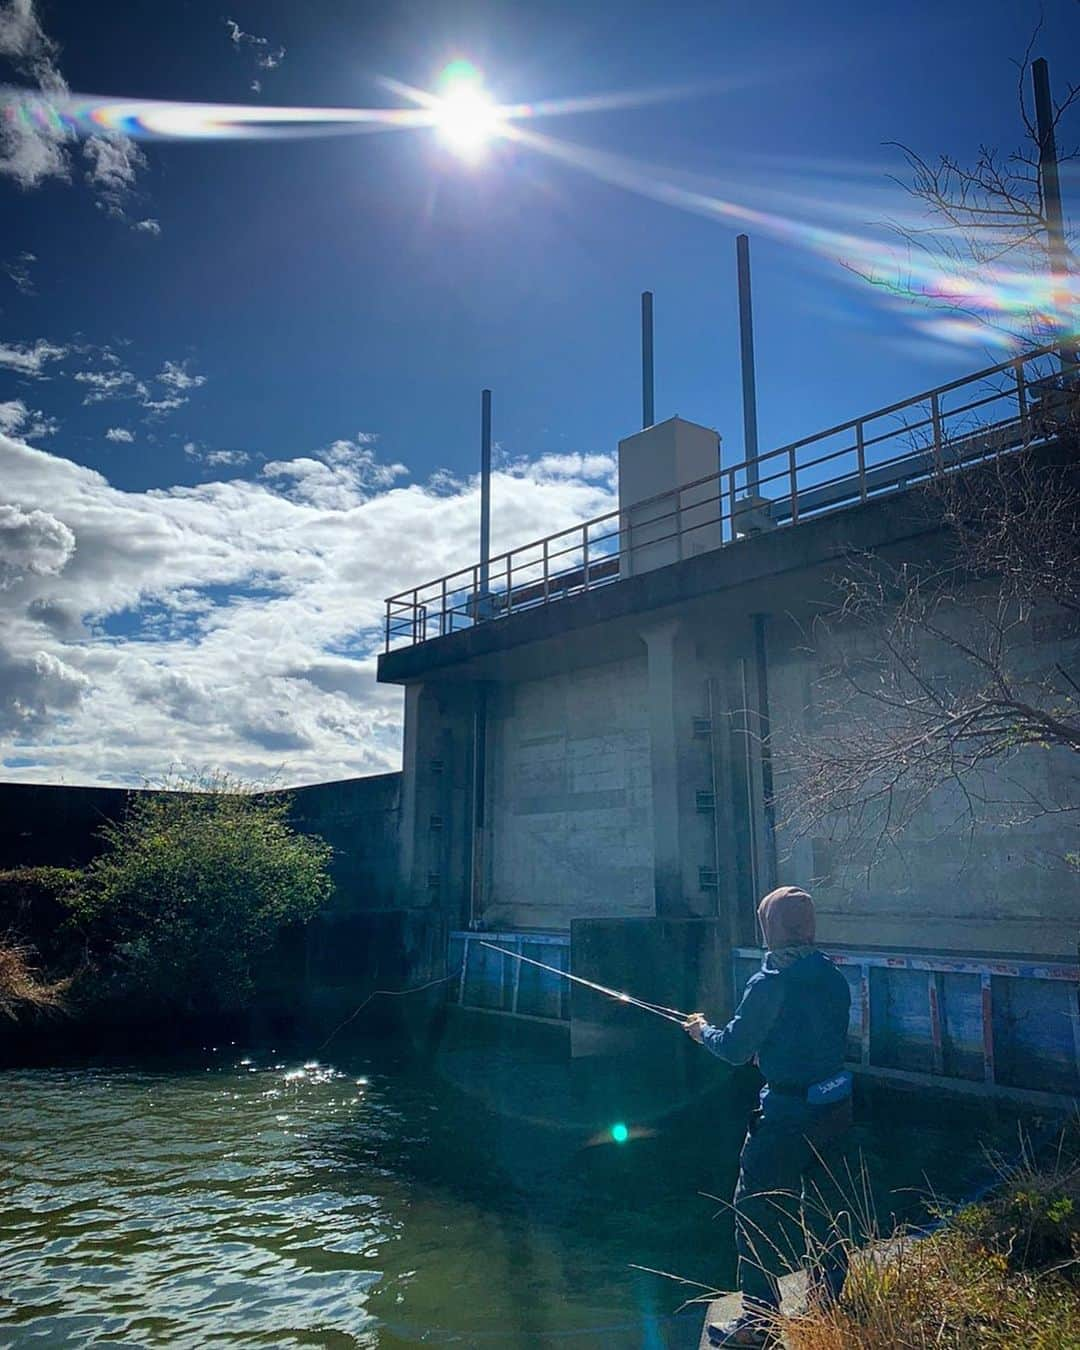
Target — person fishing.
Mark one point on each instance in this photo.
(792, 1020)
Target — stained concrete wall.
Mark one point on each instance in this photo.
(980, 868)
(648, 700)
(569, 797)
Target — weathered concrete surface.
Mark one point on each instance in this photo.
(569, 798)
(724, 639)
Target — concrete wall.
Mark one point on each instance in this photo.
(361, 819)
(570, 797)
(52, 825)
(978, 869)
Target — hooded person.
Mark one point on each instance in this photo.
(792, 1020)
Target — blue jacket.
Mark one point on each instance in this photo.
(795, 1020)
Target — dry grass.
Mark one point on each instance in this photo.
(1002, 1273)
(22, 987)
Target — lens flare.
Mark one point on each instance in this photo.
(467, 118)
(620, 1132)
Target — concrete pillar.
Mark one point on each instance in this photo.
(411, 789)
(663, 742)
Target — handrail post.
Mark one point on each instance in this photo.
(386, 648)
(935, 414)
(585, 554)
(442, 611)
(509, 582)
(731, 500)
(416, 615)
(678, 524)
(793, 472)
(547, 581)
(860, 451)
(1021, 398)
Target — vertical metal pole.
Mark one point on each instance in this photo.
(647, 409)
(1051, 198)
(746, 352)
(485, 489)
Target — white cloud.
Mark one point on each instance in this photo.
(343, 475)
(232, 458)
(35, 147)
(29, 360)
(32, 543)
(148, 226)
(32, 149)
(18, 269)
(119, 435)
(105, 385)
(175, 376)
(230, 623)
(16, 419)
(114, 164)
(118, 383)
(263, 55)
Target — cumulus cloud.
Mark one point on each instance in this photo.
(16, 419)
(18, 269)
(31, 149)
(32, 543)
(343, 475)
(233, 623)
(148, 226)
(29, 359)
(119, 435)
(113, 163)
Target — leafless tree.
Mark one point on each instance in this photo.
(941, 674)
(988, 212)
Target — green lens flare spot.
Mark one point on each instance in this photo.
(620, 1133)
(459, 72)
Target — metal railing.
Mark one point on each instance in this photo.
(1002, 408)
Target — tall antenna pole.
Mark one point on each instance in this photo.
(746, 351)
(647, 413)
(485, 489)
(1051, 194)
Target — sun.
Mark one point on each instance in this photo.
(466, 116)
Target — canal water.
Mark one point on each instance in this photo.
(475, 1196)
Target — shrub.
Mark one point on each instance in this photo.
(191, 887)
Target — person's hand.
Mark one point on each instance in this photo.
(695, 1025)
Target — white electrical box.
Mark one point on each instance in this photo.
(661, 519)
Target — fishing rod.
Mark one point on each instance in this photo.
(657, 1009)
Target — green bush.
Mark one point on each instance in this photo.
(191, 887)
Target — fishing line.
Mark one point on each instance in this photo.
(657, 1009)
(386, 993)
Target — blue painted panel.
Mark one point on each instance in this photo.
(1033, 1034)
(539, 993)
(961, 1026)
(900, 1033)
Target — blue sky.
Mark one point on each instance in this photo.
(295, 332)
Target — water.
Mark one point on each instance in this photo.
(476, 1198)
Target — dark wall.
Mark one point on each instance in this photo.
(50, 825)
(361, 819)
(55, 825)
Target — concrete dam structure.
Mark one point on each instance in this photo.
(593, 723)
